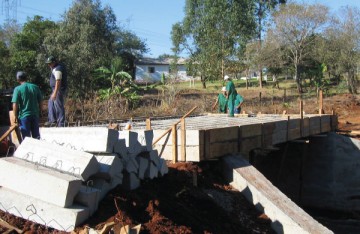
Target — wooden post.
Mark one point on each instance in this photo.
(174, 143)
(260, 98)
(183, 140)
(288, 128)
(284, 98)
(321, 110)
(301, 117)
(16, 137)
(148, 124)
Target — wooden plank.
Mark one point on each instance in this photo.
(183, 140)
(148, 124)
(9, 226)
(15, 135)
(174, 143)
(7, 133)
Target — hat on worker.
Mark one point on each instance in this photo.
(50, 59)
(223, 89)
(20, 75)
(226, 77)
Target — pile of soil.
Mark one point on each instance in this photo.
(192, 197)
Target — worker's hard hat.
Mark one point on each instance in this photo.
(50, 59)
(223, 89)
(226, 77)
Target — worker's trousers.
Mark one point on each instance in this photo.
(57, 109)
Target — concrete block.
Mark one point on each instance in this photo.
(250, 130)
(41, 212)
(154, 157)
(163, 168)
(88, 197)
(132, 165)
(131, 141)
(143, 166)
(112, 166)
(145, 138)
(103, 186)
(130, 181)
(37, 181)
(120, 148)
(152, 171)
(78, 163)
(90, 139)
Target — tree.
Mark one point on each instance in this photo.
(344, 44)
(262, 9)
(212, 33)
(129, 47)
(85, 40)
(27, 44)
(7, 31)
(121, 83)
(293, 32)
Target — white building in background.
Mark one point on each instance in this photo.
(149, 70)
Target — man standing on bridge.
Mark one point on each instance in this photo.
(230, 95)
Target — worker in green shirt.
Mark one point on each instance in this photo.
(238, 103)
(230, 95)
(222, 101)
(26, 102)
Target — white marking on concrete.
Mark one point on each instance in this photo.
(90, 139)
(27, 207)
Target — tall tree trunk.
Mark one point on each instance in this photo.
(259, 38)
(203, 81)
(351, 81)
(297, 78)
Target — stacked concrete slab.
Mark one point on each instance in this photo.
(58, 181)
(38, 185)
(132, 149)
(209, 137)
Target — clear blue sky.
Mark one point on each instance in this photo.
(151, 20)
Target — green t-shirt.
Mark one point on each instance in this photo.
(27, 96)
(239, 99)
(222, 103)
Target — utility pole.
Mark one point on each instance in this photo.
(8, 7)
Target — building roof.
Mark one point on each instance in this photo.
(153, 61)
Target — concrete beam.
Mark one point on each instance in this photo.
(37, 181)
(88, 197)
(52, 155)
(285, 215)
(130, 181)
(112, 166)
(90, 139)
(39, 211)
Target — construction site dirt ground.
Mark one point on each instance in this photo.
(192, 197)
